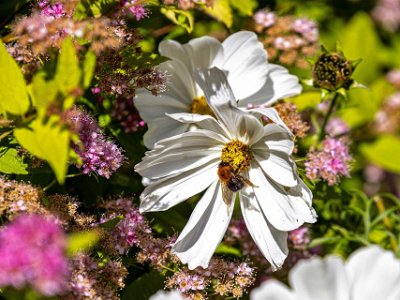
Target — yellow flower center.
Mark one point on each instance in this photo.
(199, 106)
(237, 155)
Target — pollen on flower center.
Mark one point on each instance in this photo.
(237, 155)
(199, 106)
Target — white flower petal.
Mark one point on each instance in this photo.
(180, 85)
(271, 242)
(320, 279)
(151, 107)
(373, 272)
(170, 191)
(204, 230)
(272, 289)
(279, 84)
(219, 96)
(249, 129)
(162, 128)
(275, 138)
(171, 295)
(198, 53)
(201, 121)
(278, 166)
(271, 114)
(245, 59)
(285, 209)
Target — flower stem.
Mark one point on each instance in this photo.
(327, 116)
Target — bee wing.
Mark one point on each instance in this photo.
(227, 194)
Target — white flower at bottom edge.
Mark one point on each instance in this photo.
(371, 273)
(171, 295)
(275, 202)
(241, 56)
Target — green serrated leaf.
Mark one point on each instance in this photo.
(89, 65)
(384, 152)
(81, 241)
(179, 17)
(68, 73)
(245, 7)
(306, 100)
(222, 11)
(11, 162)
(49, 142)
(13, 94)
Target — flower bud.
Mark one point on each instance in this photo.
(332, 71)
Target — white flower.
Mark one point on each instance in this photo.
(371, 273)
(162, 295)
(273, 198)
(240, 56)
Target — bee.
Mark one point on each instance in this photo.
(231, 182)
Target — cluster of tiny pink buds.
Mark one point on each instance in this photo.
(93, 279)
(125, 113)
(299, 238)
(330, 162)
(54, 10)
(127, 232)
(337, 127)
(264, 18)
(387, 118)
(387, 13)
(98, 154)
(287, 39)
(224, 277)
(32, 251)
(135, 8)
(394, 77)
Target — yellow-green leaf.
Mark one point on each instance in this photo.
(179, 17)
(68, 73)
(89, 65)
(221, 10)
(80, 241)
(11, 162)
(42, 92)
(384, 152)
(49, 142)
(245, 7)
(13, 95)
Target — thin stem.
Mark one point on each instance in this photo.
(327, 116)
(4, 134)
(53, 182)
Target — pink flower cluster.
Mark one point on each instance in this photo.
(135, 8)
(330, 162)
(98, 154)
(54, 10)
(32, 253)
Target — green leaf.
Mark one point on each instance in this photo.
(81, 241)
(42, 92)
(89, 65)
(245, 7)
(13, 95)
(49, 142)
(144, 287)
(225, 249)
(306, 100)
(68, 73)
(360, 40)
(11, 162)
(384, 152)
(222, 11)
(364, 103)
(179, 17)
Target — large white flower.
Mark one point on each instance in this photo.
(240, 56)
(171, 295)
(272, 197)
(371, 273)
